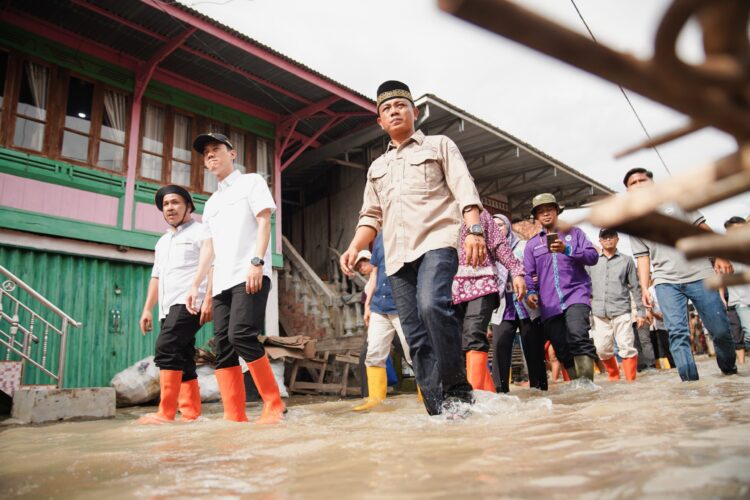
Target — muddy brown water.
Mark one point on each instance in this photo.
(656, 438)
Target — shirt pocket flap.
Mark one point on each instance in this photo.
(378, 171)
(422, 156)
(236, 196)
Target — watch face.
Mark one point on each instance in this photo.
(256, 261)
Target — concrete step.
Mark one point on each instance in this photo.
(36, 405)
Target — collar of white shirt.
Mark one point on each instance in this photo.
(181, 227)
(229, 180)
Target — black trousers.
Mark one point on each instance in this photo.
(475, 318)
(735, 326)
(239, 318)
(660, 341)
(532, 341)
(569, 334)
(175, 346)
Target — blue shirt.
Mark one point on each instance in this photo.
(382, 298)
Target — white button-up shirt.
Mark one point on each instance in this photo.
(230, 216)
(176, 262)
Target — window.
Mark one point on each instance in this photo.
(77, 127)
(182, 150)
(31, 112)
(152, 155)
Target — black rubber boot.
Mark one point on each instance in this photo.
(584, 367)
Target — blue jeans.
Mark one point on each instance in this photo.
(744, 313)
(673, 301)
(423, 296)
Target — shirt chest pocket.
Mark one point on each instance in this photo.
(423, 171)
(183, 253)
(380, 178)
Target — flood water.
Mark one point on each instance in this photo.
(657, 438)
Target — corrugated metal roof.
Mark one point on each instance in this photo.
(503, 166)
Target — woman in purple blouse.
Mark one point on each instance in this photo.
(513, 318)
(476, 295)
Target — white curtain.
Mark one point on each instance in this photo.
(38, 76)
(153, 129)
(182, 136)
(238, 141)
(263, 160)
(115, 105)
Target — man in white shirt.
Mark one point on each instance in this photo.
(238, 217)
(738, 305)
(175, 263)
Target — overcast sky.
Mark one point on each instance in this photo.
(565, 112)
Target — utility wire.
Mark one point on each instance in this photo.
(624, 94)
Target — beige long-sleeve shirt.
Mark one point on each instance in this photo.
(416, 194)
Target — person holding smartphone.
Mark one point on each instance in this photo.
(562, 291)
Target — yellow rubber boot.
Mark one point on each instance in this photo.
(419, 395)
(377, 386)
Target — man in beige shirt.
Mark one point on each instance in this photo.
(416, 193)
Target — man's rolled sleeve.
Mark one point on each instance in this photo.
(457, 176)
(371, 214)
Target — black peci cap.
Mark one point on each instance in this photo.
(607, 232)
(173, 189)
(200, 142)
(391, 90)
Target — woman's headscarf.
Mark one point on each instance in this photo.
(512, 237)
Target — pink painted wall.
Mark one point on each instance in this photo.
(148, 218)
(59, 201)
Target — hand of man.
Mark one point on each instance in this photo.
(367, 315)
(191, 300)
(650, 317)
(557, 246)
(723, 266)
(254, 280)
(207, 310)
(347, 260)
(646, 299)
(147, 322)
(532, 300)
(476, 250)
(489, 334)
(519, 287)
(640, 321)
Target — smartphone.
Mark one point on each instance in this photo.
(551, 238)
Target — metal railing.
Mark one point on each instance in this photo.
(30, 331)
(334, 305)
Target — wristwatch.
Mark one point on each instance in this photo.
(476, 230)
(257, 261)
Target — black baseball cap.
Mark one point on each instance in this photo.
(173, 189)
(200, 142)
(734, 220)
(607, 232)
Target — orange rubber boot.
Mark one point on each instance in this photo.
(232, 388)
(612, 368)
(630, 367)
(265, 382)
(489, 384)
(476, 366)
(189, 401)
(169, 384)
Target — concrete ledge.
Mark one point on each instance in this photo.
(34, 406)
